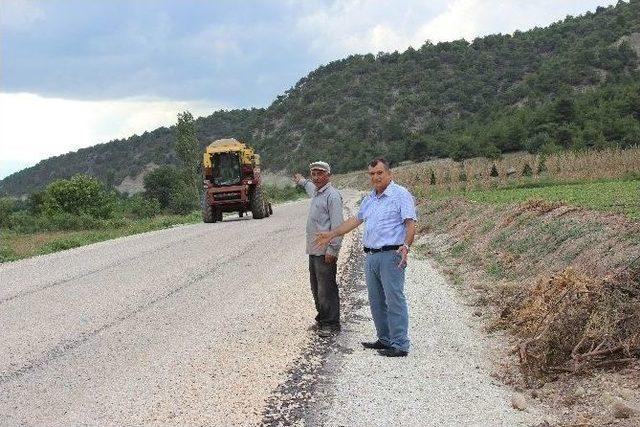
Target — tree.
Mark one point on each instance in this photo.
(188, 150)
(7, 206)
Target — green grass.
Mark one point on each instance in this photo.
(621, 196)
(14, 246)
(459, 249)
(282, 194)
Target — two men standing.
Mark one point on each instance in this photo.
(325, 213)
(389, 215)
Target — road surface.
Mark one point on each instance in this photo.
(206, 324)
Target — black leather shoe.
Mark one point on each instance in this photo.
(393, 352)
(376, 345)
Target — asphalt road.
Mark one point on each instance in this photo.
(190, 325)
(207, 324)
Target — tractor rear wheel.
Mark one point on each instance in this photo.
(257, 203)
(219, 215)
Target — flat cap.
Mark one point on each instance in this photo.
(320, 165)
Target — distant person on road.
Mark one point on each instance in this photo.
(325, 213)
(389, 216)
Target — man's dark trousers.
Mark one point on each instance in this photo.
(325, 291)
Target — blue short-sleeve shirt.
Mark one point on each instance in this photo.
(384, 216)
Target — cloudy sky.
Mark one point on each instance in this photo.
(75, 73)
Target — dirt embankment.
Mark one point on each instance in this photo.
(565, 282)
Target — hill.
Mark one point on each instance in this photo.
(574, 84)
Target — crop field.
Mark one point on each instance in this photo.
(614, 196)
(605, 180)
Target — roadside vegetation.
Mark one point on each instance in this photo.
(80, 210)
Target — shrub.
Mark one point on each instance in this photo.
(534, 143)
(79, 195)
(67, 221)
(279, 194)
(139, 207)
(22, 222)
(6, 253)
(7, 207)
(161, 183)
(182, 199)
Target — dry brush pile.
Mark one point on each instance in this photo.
(571, 322)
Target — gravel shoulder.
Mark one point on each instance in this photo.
(446, 379)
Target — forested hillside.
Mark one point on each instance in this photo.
(574, 84)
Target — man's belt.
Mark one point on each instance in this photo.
(382, 249)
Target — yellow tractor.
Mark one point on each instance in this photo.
(232, 181)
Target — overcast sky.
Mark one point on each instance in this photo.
(75, 73)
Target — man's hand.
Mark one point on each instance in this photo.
(402, 250)
(322, 239)
(297, 178)
(329, 259)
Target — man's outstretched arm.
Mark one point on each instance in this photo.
(324, 237)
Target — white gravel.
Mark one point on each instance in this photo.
(445, 381)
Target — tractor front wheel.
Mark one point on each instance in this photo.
(257, 203)
(207, 211)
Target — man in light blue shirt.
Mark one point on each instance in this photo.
(389, 215)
